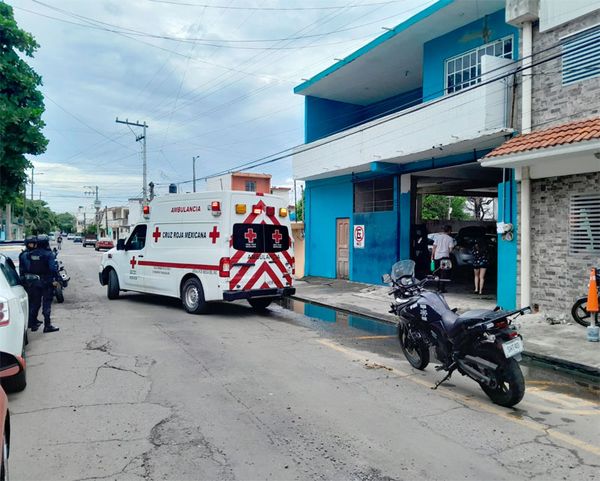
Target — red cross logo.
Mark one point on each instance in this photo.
(214, 235)
(156, 234)
(250, 236)
(133, 262)
(277, 236)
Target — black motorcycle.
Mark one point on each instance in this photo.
(480, 344)
(63, 280)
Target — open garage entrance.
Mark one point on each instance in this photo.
(465, 198)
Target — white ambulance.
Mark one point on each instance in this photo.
(203, 247)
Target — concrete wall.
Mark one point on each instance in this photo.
(328, 200)
(554, 103)
(475, 34)
(381, 246)
(557, 277)
(325, 117)
(298, 235)
(325, 201)
(554, 13)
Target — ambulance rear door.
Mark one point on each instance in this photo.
(261, 245)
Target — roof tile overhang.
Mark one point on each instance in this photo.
(570, 148)
(569, 133)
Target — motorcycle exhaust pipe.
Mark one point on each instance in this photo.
(474, 373)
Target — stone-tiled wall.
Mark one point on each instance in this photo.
(557, 278)
(554, 103)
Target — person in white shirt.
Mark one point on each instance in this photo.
(442, 246)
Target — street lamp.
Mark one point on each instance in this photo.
(194, 170)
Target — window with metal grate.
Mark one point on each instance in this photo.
(584, 223)
(581, 56)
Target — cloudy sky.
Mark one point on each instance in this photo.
(212, 78)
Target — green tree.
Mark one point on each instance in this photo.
(300, 208)
(435, 207)
(21, 106)
(40, 218)
(66, 222)
(90, 229)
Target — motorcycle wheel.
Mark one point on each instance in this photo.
(510, 384)
(60, 297)
(580, 313)
(416, 351)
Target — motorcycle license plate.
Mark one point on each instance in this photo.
(512, 348)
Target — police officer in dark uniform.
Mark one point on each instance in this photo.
(25, 268)
(42, 262)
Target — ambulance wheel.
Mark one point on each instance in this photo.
(192, 297)
(260, 304)
(112, 289)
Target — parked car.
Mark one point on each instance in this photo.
(77, 238)
(51, 237)
(5, 420)
(14, 313)
(89, 240)
(70, 236)
(462, 255)
(104, 244)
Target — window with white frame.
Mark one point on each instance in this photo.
(581, 56)
(250, 186)
(584, 223)
(464, 70)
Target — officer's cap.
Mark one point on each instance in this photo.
(30, 239)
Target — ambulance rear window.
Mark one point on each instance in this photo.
(260, 238)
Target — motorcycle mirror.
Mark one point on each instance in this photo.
(386, 278)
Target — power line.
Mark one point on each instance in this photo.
(213, 42)
(275, 9)
(298, 149)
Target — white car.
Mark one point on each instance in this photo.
(14, 314)
(70, 236)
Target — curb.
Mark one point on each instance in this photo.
(549, 361)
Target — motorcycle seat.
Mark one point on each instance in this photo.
(466, 319)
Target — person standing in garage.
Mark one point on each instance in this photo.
(442, 246)
(481, 262)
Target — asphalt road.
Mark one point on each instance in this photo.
(137, 389)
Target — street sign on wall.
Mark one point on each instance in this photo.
(359, 236)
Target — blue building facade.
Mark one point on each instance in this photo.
(380, 192)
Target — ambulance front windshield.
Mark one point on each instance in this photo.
(260, 238)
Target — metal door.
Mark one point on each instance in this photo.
(342, 248)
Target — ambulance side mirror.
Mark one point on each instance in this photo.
(121, 245)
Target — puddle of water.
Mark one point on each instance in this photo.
(340, 319)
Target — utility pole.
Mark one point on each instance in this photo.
(106, 219)
(32, 183)
(137, 139)
(97, 205)
(194, 169)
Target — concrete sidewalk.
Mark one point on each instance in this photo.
(562, 344)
